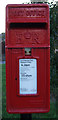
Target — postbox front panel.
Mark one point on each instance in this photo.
(27, 61)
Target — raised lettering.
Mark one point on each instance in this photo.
(27, 12)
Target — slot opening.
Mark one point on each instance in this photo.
(28, 25)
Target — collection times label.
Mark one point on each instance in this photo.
(28, 76)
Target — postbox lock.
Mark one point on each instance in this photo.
(27, 51)
(15, 78)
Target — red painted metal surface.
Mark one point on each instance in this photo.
(27, 26)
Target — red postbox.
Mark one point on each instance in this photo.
(27, 58)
